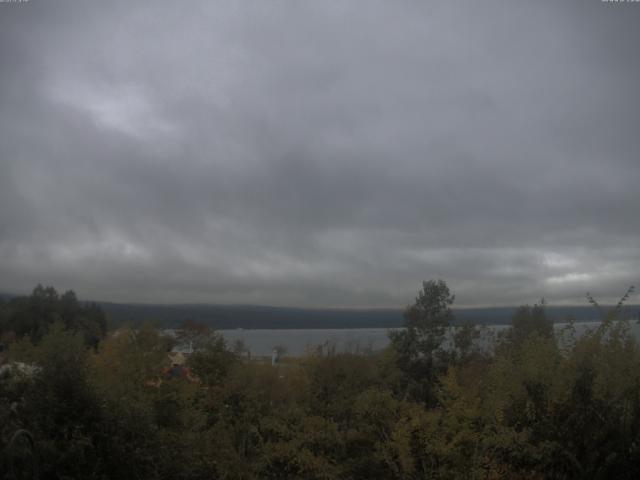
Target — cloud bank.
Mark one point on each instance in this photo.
(320, 153)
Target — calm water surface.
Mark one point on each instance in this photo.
(300, 341)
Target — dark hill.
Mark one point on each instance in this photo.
(246, 316)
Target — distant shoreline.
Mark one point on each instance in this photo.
(223, 317)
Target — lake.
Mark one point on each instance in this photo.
(300, 341)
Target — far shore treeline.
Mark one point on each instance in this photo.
(223, 317)
(81, 398)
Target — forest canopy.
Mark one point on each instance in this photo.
(79, 402)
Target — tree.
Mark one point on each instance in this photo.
(527, 321)
(212, 361)
(58, 406)
(418, 346)
(34, 315)
(464, 342)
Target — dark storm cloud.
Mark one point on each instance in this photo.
(319, 153)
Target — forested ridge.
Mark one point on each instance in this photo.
(273, 317)
(77, 401)
(251, 316)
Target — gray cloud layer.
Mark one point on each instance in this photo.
(329, 153)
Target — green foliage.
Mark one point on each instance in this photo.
(527, 321)
(419, 346)
(34, 315)
(538, 406)
(465, 343)
(212, 361)
(57, 406)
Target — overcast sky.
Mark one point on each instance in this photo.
(320, 153)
